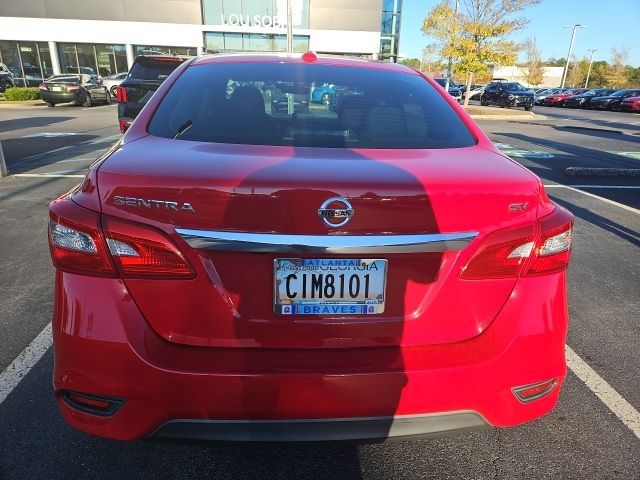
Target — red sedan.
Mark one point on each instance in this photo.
(558, 99)
(631, 104)
(368, 269)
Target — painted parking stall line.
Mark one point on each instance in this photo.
(605, 392)
(24, 362)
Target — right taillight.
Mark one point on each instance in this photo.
(521, 251)
(82, 241)
(121, 94)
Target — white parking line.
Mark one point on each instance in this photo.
(605, 392)
(606, 200)
(24, 362)
(101, 106)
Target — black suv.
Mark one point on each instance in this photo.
(146, 75)
(507, 94)
(6, 78)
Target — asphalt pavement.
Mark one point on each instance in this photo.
(47, 151)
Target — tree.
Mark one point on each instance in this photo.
(476, 36)
(411, 62)
(617, 74)
(533, 69)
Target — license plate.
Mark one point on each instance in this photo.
(327, 286)
(56, 89)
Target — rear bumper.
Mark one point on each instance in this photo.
(103, 346)
(321, 430)
(630, 107)
(55, 97)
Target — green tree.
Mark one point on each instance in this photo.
(533, 68)
(477, 36)
(411, 62)
(616, 73)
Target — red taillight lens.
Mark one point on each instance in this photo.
(553, 250)
(42, 86)
(504, 254)
(76, 240)
(141, 251)
(521, 252)
(72, 87)
(121, 94)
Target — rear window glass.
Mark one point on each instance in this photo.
(64, 79)
(307, 105)
(153, 69)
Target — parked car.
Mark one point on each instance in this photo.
(507, 94)
(145, 76)
(323, 94)
(6, 78)
(280, 102)
(630, 104)
(454, 88)
(613, 101)
(583, 100)
(557, 99)
(111, 82)
(242, 276)
(538, 98)
(80, 89)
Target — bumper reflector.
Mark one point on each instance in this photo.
(93, 404)
(528, 393)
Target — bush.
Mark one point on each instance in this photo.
(20, 94)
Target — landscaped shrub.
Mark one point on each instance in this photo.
(19, 94)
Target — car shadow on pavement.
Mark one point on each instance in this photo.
(30, 122)
(596, 121)
(628, 234)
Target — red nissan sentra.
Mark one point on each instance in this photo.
(368, 269)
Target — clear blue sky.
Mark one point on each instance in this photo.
(613, 23)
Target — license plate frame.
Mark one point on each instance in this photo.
(56, 89)
(310, 287)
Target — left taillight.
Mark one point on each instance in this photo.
(84, 242)
(42, 86)
(76, 240)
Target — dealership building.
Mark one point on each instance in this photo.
(39, 38)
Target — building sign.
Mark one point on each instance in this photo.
(279, 20)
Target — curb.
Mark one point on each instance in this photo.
(602, 172)
(5, 104)
(507, 117)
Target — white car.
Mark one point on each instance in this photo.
(112, 81)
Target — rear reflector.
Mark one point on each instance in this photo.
(94, 404)
(519, 252)
(528, 393)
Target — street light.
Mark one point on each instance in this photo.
(573, 34)
(586, 82)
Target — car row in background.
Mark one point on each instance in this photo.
(80, 89)
(596, 99)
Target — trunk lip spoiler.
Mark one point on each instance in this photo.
(324, 244)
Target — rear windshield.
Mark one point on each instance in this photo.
(307, 105)
(64, 79)
(153, 69)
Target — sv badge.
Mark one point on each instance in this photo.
(518, 207)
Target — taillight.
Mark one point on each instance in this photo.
(42, 86)
(72, 87)
(76, 241)
(121, 94)
(80, 245)
(522, 252)
(141, 251)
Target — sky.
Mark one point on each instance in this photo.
(612, 23)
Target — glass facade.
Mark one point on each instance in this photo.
(167, 50)
(253, 42)
(390, 29)
(255, 13)
(92, 59)
(29, 62)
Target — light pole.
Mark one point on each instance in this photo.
(573, 34)
(586, 82)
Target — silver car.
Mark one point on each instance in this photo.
(112, 81)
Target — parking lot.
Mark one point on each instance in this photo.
(593, 433)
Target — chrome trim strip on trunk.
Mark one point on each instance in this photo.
(325, 244)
